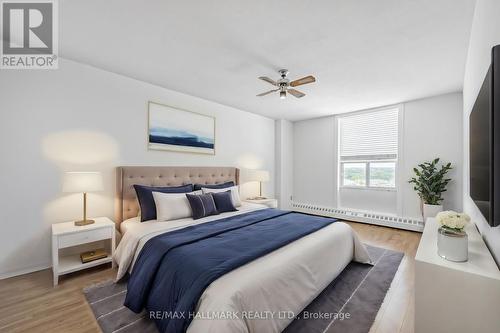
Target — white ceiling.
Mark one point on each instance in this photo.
(364, 54)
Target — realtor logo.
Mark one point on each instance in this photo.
(29, 34)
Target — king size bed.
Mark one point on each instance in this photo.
(248, 270)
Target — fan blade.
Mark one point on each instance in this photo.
(267, 92)
(304, 80)
(268, 80)
(296, 93)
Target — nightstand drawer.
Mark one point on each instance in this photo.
(84, 237)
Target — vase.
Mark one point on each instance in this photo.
(431, 210)
(452, 244)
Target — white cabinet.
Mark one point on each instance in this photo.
(452, 296)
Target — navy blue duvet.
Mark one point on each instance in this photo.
(173, 269)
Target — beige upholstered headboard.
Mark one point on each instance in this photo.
(126, 205)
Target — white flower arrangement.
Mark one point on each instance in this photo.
(452, 220)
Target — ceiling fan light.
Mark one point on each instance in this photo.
(282, 94)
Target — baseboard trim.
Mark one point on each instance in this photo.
(6, 275)
(361, 216)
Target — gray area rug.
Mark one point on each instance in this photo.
(349, 304)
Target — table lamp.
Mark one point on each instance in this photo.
(257, 176)
(82, 182)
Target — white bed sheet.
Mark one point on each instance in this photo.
(125, 225)
(135, 234)
(277, 285)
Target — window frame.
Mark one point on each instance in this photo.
(369, 159)
(368, 186)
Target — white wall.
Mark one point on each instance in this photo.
(284, 162)
(314, 176)
(431, 127)
(82, 118)
(485, 34)
(380, 201)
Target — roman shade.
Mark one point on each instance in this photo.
(369, 135)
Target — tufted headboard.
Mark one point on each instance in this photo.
(126, 205)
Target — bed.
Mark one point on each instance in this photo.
(262, 295)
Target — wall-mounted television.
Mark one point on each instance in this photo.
(484, 148)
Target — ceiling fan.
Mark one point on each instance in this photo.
(283, 85)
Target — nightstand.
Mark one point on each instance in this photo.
(68, 241)
(271, 203)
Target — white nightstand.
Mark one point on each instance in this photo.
(68, 241)
(271, 203)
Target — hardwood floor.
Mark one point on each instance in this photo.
(29, 303)
(397, 312)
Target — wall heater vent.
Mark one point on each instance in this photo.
(360, 216)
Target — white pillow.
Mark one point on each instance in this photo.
(171, 206)
(235, 195)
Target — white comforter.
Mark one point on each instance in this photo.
(265, 294)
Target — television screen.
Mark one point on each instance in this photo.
(484, 145)
(479, 149)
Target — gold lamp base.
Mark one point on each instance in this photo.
(84, 222)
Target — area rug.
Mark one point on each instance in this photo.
(349, 304)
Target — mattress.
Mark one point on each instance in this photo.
(283, 281)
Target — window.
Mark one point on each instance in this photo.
(382, 174)
(354, 174)
(368, 146)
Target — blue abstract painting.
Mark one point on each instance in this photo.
(179, 130)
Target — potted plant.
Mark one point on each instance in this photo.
(430, 183)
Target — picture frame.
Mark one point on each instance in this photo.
(174, 129)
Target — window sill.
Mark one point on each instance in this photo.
(364, 188)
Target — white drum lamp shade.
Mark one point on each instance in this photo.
(82, 182)
(250, 175)
(262, 176)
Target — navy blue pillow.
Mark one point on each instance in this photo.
(224, 201)
(202, 205)
(198, 187)
(146, 201)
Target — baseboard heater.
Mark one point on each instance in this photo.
(360, 216)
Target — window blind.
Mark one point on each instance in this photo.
(369, 136)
